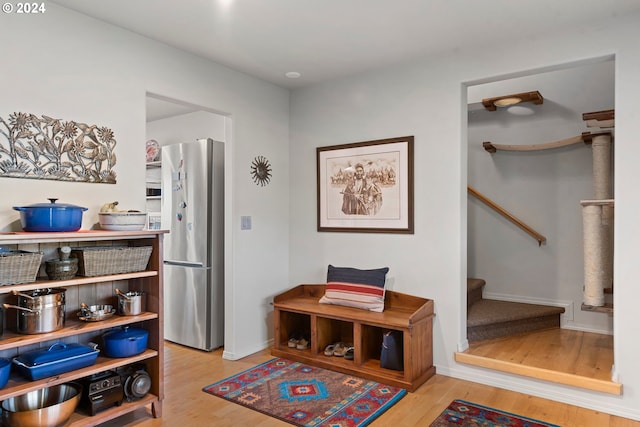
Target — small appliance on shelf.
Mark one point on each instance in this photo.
(101, 391)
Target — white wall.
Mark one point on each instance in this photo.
(427, 99)
(68, 66)
(187, 128)
(542, 188)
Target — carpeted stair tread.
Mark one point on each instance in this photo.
(487, 312)
(502, 329)
(487, 319)
(473, 283)
(474, 290)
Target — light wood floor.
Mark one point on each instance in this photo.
(575, 358)
(187, 371)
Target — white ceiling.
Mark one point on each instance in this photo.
(326, 39)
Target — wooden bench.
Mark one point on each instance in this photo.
(297, 311)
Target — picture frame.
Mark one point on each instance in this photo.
(366, 187)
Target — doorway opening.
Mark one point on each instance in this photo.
(189, 175)
(544, 189)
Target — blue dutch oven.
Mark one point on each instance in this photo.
(51, 216)
(125, 341)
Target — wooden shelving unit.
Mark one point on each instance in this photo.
(91, 290)
(298, 311)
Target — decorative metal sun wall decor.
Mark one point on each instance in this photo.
(47, 148)
(261, 171)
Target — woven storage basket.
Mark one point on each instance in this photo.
(103, 260)
(19, 267)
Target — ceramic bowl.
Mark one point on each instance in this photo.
(122, 221)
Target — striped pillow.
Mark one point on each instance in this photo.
(355, 288)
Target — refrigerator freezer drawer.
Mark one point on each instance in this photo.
(186, 318)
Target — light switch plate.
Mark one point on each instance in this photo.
(245, 223)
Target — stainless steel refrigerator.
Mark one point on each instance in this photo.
(193, 212)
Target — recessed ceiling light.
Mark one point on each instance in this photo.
(292, 74)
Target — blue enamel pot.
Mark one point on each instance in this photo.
(125, 341)
(51, 216)
(5, 369)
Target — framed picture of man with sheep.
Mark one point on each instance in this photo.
(366, 186)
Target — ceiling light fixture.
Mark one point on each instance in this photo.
(505, 102)
(292, 74)
(492, 104)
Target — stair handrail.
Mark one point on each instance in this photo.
(539, 237)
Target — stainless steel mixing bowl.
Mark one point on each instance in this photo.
(51, 406)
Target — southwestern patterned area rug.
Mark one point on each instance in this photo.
(467, 414)
(304, 395)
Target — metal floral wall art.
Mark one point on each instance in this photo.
(47, 148)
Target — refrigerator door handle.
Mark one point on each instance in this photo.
(184, 263)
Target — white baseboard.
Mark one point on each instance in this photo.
(229, 355)
(577, 327)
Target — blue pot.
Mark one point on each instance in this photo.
(5, 369)
(51, 216)
(125, 341)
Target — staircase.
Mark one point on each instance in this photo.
(492, 319)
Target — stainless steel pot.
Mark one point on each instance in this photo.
(130, 303)
(40, 297)
(40, 311)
